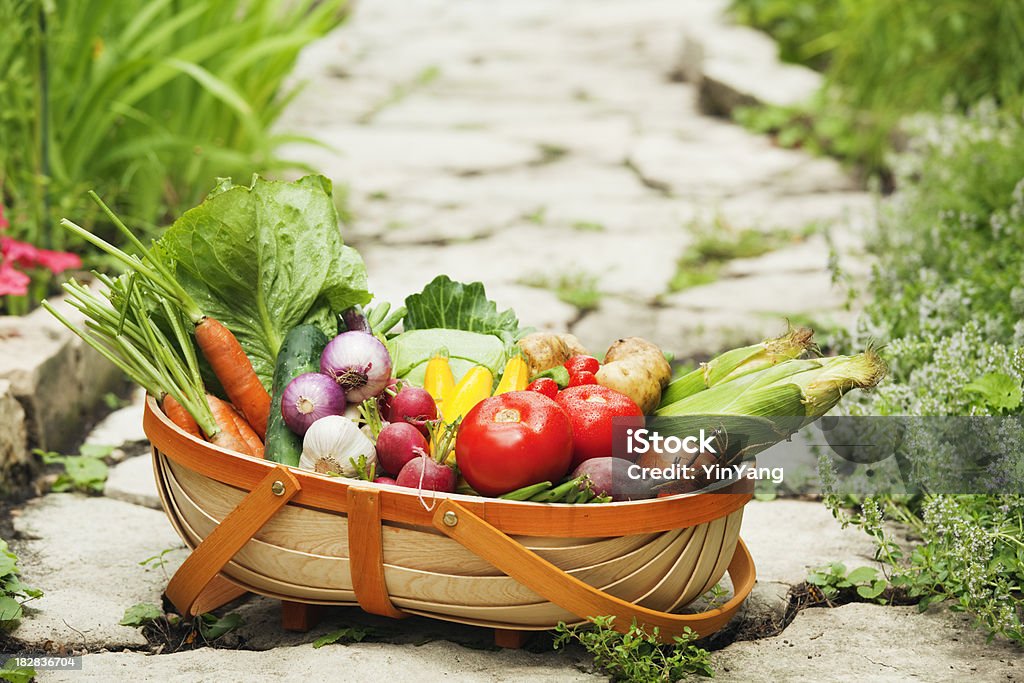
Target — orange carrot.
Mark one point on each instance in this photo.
(233, 369)
(248, 435)
(228, 437)
(181, 417)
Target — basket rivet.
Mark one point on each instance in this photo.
(278, 488)
(450, 518)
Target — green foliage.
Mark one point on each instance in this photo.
(141, 614)
(13, 673)
(884, 60)
(716, 245)
(212, 627)
(833, 580)
(637, 655)
(13, 593)
(146, 102)
(85, 472)
(947, 298)
(347, 634)
(576, 288)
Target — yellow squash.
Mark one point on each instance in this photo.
(515, 377)
(471, 389)
(439, 381)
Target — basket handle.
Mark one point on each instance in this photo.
(200, 569)
(578, 597)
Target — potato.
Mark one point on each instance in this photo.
(638, 369)
(546, 350)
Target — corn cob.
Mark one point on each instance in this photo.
(739, 363)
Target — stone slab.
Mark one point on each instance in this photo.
(370, 662)
(133, 481)
(871, 643)
(84, 554)
(14, 453)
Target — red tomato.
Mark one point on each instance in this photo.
(581, 363)
(514, 440)
(582, 377)
(544, 385)
(591, 408)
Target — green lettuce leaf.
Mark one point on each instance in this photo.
(264, 258)
(457, 306)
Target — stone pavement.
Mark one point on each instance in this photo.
(544, 146)
(86, 554)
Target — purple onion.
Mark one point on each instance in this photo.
(309, 397)
(359, 363)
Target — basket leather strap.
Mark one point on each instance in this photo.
(578, 597)
(366, 552)
(201, 568)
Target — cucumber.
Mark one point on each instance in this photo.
(300, 353)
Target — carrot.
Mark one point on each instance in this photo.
(228, 435)
(181, 417)
(248, 435)
(234, 370)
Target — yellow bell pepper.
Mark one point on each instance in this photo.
(471, 389)
(439, 380)
(515, 377)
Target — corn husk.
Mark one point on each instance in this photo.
(738, 363)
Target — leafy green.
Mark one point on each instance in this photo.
(85, 473)
(997, 391)
(213, 627)
(347, 634)
(141, 614)
(264, 258)
(458, 306)
(13, 673)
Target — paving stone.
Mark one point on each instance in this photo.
(362, 661)
(738, 66)
(14, 453)
(133, 482)
(788, 538)
(84, 553)
(123, 426)
(777, 294)
(863, 642)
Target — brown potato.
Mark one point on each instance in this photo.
(638, 369)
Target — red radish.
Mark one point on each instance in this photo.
(427, 474)
(413, 405)
(397, 444)
(610, 476)
(384, 480)
(390, 391)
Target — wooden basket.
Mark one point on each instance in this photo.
(310, 539)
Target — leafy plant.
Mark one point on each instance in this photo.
(347, 634)
(85, 472)
(13, 593)
(143, 101)
(141, 614)
(12, 672)
(637, 655)
(833, 580)
(212, 627)
(716, 245)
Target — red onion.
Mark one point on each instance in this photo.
(309, 397)
(359, 363)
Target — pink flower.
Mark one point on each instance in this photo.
(18, 253)
(58, 261)
(12, 281)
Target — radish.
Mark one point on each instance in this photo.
(426, 474)
(413, 405)
(609, 476)
(384, 480)
(397, 444)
